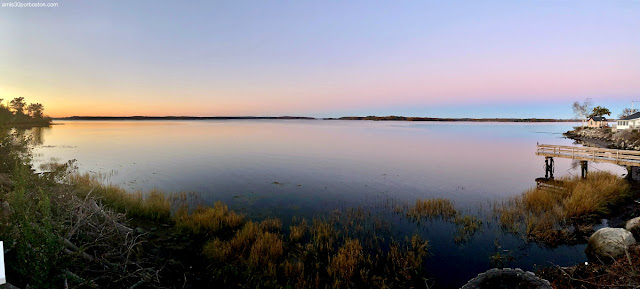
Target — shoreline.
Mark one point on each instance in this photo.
(606, 138)
(369, 118)
(193, 248)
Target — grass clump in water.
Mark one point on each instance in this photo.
(466, 225)
(208, 220)
(432, 208)
(344, 264)
(545, 213)
(333, 256)
(153, 206)
(297, 232)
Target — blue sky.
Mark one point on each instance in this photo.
(322, 58)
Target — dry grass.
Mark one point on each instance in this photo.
(542, 212)
(403, 260)
(344, 251)
(294, 272)
(244, 238)
(432, 208)
(345, 263)
(323, 236)
(265, 250)
(595, 194)
(330, 258)
(466, 227)
(217, 249)
(239, 246)
(252, 246)
(209, 220)
(154, 205)
(271, 225)
(297, 232)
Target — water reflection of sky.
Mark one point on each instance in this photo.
(329, 161)
(303, 167)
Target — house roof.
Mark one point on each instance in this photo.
(599, 118)
(633, 116)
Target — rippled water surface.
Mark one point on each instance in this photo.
(290, 168)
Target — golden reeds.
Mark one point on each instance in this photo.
(432, 208)
(542, 211)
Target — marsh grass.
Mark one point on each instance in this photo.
(340, 251)
(466, 227)
(443, 209)
(432, 208)
(297, 232)
(208, 220)
(349, 242)
(546, 214)
(343, 265)
(153, 206)
(346, 249)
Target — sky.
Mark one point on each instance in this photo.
(323, 58)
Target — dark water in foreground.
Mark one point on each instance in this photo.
(284, 168)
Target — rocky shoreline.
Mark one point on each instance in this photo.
(606, 138)
(613, 251)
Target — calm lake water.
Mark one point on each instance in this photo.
(284, 168)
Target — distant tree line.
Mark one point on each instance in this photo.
(18, 113)
(406, 118)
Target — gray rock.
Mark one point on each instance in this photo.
(608, 243)
(633, 226)
(507, 278)
(9, 286)
(5, 180)
(5, 209)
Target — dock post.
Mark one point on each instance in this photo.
(584, 165)
(548, 167)
(629, 173)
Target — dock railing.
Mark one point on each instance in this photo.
(602, 155)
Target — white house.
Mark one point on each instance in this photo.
(629, 122)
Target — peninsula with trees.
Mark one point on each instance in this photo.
(18, 114)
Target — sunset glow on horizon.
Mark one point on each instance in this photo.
(321, 58)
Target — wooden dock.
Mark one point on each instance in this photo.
(601, 155)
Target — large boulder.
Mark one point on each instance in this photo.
(608, 243)
(633, 226)
(507, 279)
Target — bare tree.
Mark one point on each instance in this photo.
(581, 111)
(627, 112)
